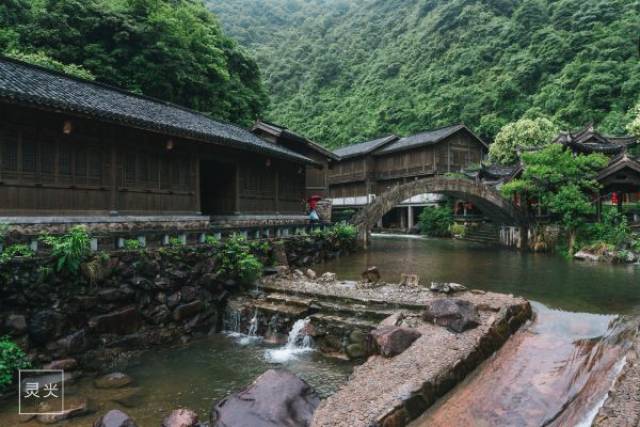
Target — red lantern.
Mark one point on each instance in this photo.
(614, 198)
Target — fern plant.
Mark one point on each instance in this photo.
(69, 250)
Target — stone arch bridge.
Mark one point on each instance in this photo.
(500, 210)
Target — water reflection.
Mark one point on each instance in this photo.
(550, 279)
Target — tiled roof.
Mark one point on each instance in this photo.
(423, 138)
(588, 140)
(364, 147)
(41, 88)
(282, 132)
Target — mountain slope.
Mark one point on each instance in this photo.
(340, 71)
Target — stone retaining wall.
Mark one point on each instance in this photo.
(123, 301)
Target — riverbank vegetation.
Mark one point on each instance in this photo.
(12, 358)
(436, 221)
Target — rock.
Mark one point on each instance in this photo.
(174, 299)
(371, 275)
(586, 256)
(282, 270)
(116, 294)
(357, 336)
(276, 398)
(181, 418)
(115, 418)
(186, 311)
(455, 314)
(17, 324)
(447, 288)
(121, 322)
(68, 364)
(45, 326)
(311, 275)
(393, 340)
(393, 320)
(113, 380)
(328, 277)
(189, 293)
(411, 280)
(356, 351)
(280, 254)
(127, 397)
(297, 274)
(73, 343)
(73, 407)
(160, 314)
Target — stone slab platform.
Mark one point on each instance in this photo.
(392, 392)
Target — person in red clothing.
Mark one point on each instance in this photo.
(313, 204)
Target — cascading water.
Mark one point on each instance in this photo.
(298, 342)
(233, 326)
(556, 372)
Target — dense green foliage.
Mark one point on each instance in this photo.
(436, 222)
(69, 250)
(561, 183)
(340, 71)
(17, 250)
(12, 358)
(521, 135)
(237, 260)
(171, 49)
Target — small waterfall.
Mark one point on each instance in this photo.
(297, 343)
(233, 326)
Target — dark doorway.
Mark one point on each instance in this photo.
(217, 187)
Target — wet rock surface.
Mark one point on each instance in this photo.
(113, 380)
(115, 418)
(455, 314)
(181, 418)
(276, 398)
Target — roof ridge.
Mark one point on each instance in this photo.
(117, 89)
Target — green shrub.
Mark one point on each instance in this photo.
(343, 232)
(70, 249)
(211, 240)
(12, 358)
(237, 261)
(175, 242)
(132, 244)
(435, 222)
(4, 228)
(613, 229)
(457, 229)
(13, 251)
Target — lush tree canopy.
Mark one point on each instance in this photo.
(340, 71)
(561, 182)
(170, 49)
(523, 134)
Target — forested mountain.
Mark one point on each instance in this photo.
(171, 49)
(343, 70)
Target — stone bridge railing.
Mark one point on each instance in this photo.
(487, 199)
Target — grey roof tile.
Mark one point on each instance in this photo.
(38, 87)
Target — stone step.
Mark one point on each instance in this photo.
(289, 310)
(344, 322)
(290, 299)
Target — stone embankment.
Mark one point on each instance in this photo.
(622, 406)
(427, 342)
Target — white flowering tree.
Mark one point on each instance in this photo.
(523, 134)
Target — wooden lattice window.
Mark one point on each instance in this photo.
(130, 170)
(48, 157)
(9, 151)
(81, 165)
(95, 163)
(29, 155)
(64, 159)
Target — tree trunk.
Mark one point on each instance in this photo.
(572, 240)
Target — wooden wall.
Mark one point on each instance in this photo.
(100, 169)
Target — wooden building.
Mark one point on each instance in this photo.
(372, 167)
(69, 146)
(316, 180)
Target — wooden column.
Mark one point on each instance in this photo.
(113, 204)
(196, 176)
(276, 190)
(237, 187)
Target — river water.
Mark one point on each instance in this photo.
(557, 370)
(554, 372)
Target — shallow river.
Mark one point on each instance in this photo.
(556, 371)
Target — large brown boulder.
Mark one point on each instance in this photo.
(455, 314)
(115, 418)
(393, 340)
(276, 398)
